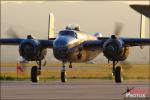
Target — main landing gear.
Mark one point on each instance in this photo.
(35, 72)
(116, 71)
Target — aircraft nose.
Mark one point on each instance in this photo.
(61, 42)
(60, 48)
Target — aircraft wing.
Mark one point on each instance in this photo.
(10, 41)
(17, 41)
(93, 44)
(128, 42)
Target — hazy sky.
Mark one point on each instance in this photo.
(92, 16)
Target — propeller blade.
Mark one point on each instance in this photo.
(12, 33)
(22, 64)
(118, 28)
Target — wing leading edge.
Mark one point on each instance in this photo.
(9, 41)
(17, 41)
(128, 42)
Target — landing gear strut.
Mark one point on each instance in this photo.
(70, 65)
(63, 74)
(79, 56)
(116, 71)
(35, 72)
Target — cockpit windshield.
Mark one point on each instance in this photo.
(68, 33)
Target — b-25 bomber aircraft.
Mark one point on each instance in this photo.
(74, 46)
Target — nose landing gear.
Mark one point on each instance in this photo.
(70, 66)
(63, 74)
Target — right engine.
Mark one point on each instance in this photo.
(114, 50)
(31, 50)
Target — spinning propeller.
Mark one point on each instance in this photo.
(117, 32)
(12, 33)
(118, 29)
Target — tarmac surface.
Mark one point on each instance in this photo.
(45, 67)
(77, 89)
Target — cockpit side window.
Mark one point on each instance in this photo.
(68, 33)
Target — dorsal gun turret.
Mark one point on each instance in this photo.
(76, 27)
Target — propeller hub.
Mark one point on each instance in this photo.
(29, 37)
(113, 37)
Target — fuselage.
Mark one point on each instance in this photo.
(67, 47)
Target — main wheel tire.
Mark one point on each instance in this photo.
(34, 74)
(63, 76)
(118, 78)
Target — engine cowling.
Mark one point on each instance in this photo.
(31, 50)
(113, 50)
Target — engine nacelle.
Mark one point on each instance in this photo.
(31, 50)
(113, 50)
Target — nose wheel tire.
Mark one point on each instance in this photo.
(63, 76)
(118, 78)
(34, 74)
(70, 66)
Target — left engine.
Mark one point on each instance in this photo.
(114, 50)
(31, 50)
